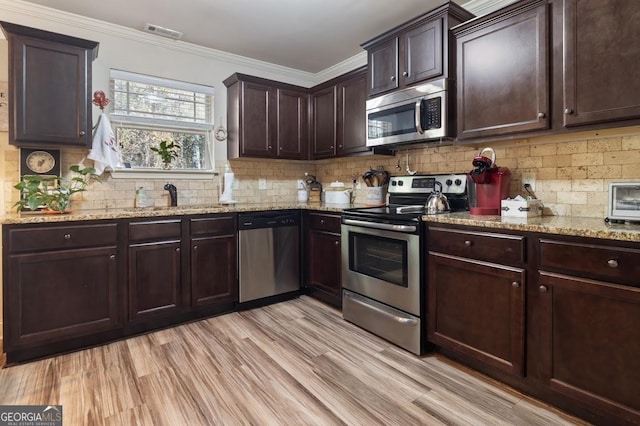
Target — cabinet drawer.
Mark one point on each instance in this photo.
(61, 237)
(221, 225)
(159, 229)
(324, 222)
(492, 247)
(617, 264)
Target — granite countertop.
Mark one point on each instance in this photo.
(127, 213)
(563, 225)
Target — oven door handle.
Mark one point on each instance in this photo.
(390, 314)
(383, 226)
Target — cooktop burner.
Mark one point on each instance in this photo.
(408, 196)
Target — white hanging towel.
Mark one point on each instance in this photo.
(105, 152)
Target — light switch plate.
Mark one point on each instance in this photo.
(262, 183)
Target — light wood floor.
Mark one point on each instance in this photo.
(293, 363)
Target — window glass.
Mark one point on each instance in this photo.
(147, 110)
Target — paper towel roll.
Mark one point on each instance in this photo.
(227, 192)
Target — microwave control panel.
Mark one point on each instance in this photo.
(432, 113)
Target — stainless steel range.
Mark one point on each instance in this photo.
(382, 252)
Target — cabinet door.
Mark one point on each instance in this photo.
(324, 263)
(383, 67)
(53, 296)
(352, 98)
(503, 81)
(421, 52)
(601, 53)
(324, 123)
(590, 341)
(477, 309)
(256, 125)
(154, 280)
(292, 124)
(213, 271)
(50, 85)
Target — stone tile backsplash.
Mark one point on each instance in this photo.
(572, 172)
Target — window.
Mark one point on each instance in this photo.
(146, 110)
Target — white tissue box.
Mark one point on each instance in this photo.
(521, 208)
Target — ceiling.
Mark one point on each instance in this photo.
(307, 35)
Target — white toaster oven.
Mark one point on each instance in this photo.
(624, 202)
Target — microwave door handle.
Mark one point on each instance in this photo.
(419, 128)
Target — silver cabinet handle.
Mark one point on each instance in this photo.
(393, 78)
(178, 250)
(337, 243)
(541, 115)
(112, 257)
(468, 243)
(269, 147)
(82, 133)
(515, 284)
(67, 237)
(568, 111)
(613, 263)
(195, 248)
(405, 74)
(543, 289)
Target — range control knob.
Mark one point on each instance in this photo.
(393, 183)
(458, 182)
(448, 182)
(400, 183)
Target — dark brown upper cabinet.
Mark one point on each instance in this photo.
(503, 72)
(49, 87)
(601, 52)
(338, 116)
(266, 119)
(415, 51)
(541, 67)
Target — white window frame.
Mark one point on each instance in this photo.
(163, 124)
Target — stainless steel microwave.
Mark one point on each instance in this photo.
(624, 201)
(416, 114)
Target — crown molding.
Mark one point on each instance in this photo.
(26, 12)
(482, 7)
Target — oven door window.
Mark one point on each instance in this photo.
(379, 257)
(393, 121)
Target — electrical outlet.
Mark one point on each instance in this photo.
(300, 184)
(529, 178)
(235, 185)
(262, 183)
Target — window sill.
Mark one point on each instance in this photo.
(162, 174)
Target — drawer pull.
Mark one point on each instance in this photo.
(178, 250)
(67, 237)
(515, 284)
(543, 289)
(112, 257)
(541, 115)
(322, 221)
(468, 243)
(613, 263)
(337, 243)
(195, 248)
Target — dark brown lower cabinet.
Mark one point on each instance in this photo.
(558, 320)
(60, 287)
(324, 258)
(214, 266)
(154, 280)
(477, 308)
(591, 341)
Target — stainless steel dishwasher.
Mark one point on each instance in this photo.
(269, 254)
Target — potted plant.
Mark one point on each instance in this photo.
(51, 192)
(168, 151)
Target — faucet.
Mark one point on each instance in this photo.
(173, 193)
